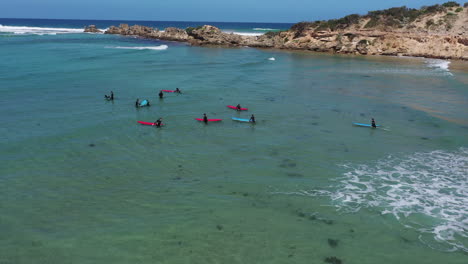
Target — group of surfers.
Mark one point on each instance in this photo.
(158, 122)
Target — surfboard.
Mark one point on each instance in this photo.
(148, 123)
(144, 103)
(168, 91)
(363, 125)
(233, 107)
(240, 119)
(209, 120)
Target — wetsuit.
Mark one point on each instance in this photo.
(161, 94)
(238, 107)
(177, 90)
(112, 95)
(158, 122)
(373, 124)
(205, 119)
(137, 103)
(252, 119)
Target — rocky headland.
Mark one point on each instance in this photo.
(438, 31)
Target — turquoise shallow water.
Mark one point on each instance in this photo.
(81, 181)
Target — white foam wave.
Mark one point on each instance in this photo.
(272, 59)
(161, 47)
(437, 64)
(425, 191)
(20, 30)
(265, 29)
(243, 33)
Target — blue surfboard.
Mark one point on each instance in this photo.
(363, 125)
(240, 119)
(144, 103)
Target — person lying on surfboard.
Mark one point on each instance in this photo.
(158, 122)
(205, 118)
(238, 107)
(161, 94)
(252, 119)
(177, 91)
(373, 123)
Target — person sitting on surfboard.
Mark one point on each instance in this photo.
(177, 91)
(161, 94)
(158, 122)
(205, 118)
(238, 107)
(373, 123)
(112, 95)
(137, 103)
(252, 119)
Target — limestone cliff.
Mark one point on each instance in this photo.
(439, 31)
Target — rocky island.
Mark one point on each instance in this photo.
(438, 31)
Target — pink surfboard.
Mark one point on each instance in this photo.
(168, 91)
(148, 123)
(233, 107)
(209, 120)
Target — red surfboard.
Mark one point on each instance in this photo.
(168, 91)
(233, 107)
(148, 123)
(209, 120)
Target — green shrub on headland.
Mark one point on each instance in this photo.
(395, 17)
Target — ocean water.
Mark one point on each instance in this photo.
(54, 26)
(82, 182)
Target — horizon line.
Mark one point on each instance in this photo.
(83, 19)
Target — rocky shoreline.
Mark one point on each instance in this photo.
(432, 32)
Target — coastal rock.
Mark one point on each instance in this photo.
(440, 34)
(92, 29)
(172, 33)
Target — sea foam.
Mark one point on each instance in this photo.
(161, 47)
(426, 191)
(19, 30)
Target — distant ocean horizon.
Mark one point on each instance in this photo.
(50, 26)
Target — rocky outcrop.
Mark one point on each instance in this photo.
(92, 29)
(446, 39)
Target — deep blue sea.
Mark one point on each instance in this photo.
(21, 25)
(82, 182)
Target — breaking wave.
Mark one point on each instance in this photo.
(21, 30)
(440, 65)
(426, 191)
(264, 29)
(161, 47)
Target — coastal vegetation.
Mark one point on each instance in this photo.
(395, 17)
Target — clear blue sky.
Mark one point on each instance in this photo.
(200, 10)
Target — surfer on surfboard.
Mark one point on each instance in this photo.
(177, 91)
(205, 118)
(252, 119)
(238, 107)
(373, 123)
(158, 122)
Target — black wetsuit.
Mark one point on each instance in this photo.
(238, 107)
(137, 103)
(205, 119)
(373, 124)
(252, 119)
(112, 96)
(158, 122)
(161, 95)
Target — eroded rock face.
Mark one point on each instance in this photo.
(92, 29)
(356, 41)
